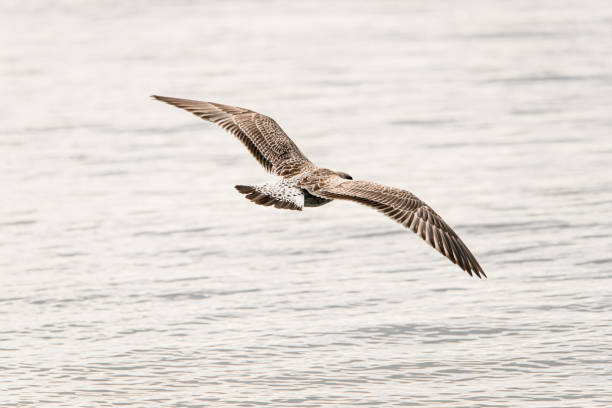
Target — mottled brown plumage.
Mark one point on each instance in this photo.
(404, 208)
(306, 185)
(266, 141)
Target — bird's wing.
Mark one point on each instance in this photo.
(408, 210)
(264, 138)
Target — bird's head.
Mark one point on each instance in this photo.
(344, 175)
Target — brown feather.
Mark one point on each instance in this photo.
(262, 136)
(406, 209)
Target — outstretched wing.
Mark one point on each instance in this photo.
(266, 141)
(408, 210)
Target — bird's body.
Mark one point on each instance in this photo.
(303, 184)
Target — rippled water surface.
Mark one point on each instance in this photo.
(134, 274)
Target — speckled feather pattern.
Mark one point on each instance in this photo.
(306, 185)
(283, 194)
(264, 138)
(408, 210)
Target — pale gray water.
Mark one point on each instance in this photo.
(134, 274)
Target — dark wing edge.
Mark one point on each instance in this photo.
(262, 136)
(408, 210)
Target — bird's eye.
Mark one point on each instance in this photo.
(348, 177)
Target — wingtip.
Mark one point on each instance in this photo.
(474, 271)
(479, 273)
(178, 102)
(478, 270)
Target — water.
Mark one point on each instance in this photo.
(134, 274)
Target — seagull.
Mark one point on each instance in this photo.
(303, 184)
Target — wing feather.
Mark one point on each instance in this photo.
(408, 210)
(262, 136)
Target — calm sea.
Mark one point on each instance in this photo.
(133, 274)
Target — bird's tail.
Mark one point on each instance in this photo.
(266, 195)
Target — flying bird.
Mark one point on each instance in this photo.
(303, 184)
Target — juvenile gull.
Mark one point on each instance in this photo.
(303, 184)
